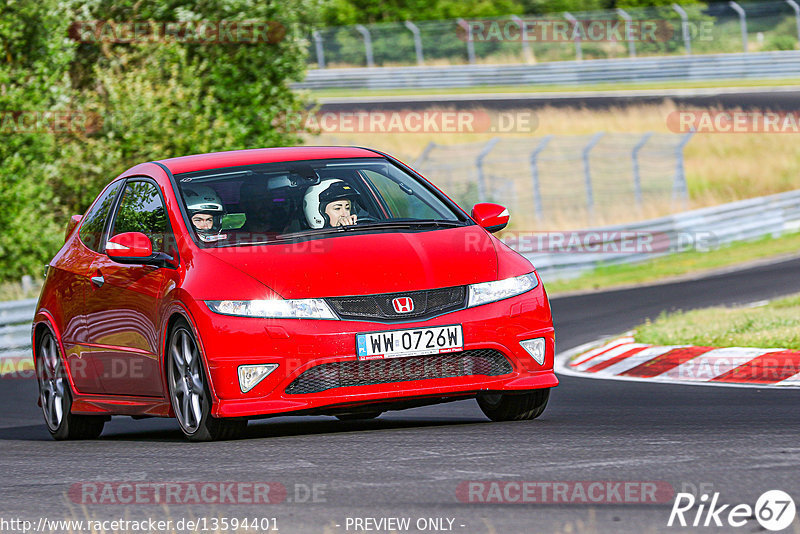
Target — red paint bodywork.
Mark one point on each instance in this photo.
(113, 337)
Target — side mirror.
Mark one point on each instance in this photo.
(135, 248)
(493, 217)
(74, 221)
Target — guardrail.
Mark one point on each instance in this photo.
(783, 64)
(704, 228)
(15, 329)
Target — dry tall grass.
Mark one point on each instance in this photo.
(721, 167)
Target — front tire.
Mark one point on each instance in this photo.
(514, 406)
(189, 393)
(55, 396)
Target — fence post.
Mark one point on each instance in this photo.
(367, 43)
(479, 166)
(796, 15)
(680, 187)
(628, 31)
(470, 43)
(687, 39)
(424, 155)
(576, 34)
(637, 178)
(319, 48)
(523, 37)
(537, 193)
(417, 41)
(587, 171)
(742, 22)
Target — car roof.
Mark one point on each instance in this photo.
(232, 158)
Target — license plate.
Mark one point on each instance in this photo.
(413, 342)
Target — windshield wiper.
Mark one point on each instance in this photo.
(408, 224)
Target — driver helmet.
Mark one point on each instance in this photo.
(203, 199)
(318, 196)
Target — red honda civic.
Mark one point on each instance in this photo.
(224, 287)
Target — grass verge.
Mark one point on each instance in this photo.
(674, 265)
(699, 84)
(774, 325)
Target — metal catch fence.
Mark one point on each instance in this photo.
(579, 178)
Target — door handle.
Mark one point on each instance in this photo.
(98, 280)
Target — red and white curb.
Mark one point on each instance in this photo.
(623, 359)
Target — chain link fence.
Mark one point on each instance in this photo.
(584, 179)
(721, 27)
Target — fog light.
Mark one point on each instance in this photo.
(534, 347)
(251, 375)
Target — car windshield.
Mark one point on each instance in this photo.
(276, 202)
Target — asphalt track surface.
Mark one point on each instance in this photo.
(766, 98)
(738, 442)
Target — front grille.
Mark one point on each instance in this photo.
(487, 362)
(427, 304)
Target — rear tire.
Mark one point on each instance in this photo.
(514, 406)
(55, 396)
(358, 416)
(189, 393)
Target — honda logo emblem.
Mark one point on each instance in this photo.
(403, 304)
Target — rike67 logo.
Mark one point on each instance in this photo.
(774, 510)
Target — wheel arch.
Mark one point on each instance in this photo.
(180, 313)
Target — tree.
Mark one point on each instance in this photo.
(34, 88)
(146, 99)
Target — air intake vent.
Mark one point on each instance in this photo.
(486, 362)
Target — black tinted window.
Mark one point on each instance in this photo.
(95, 219)
(142, 210)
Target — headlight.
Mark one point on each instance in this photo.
(274, 309)
(501, 289)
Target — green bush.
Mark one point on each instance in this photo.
(781, 42)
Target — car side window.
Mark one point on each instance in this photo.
(94, 222)
(142, 210)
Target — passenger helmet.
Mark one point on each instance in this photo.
(203, 199)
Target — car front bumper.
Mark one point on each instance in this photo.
(299, 345)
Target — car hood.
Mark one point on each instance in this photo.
(379, 262)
